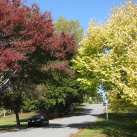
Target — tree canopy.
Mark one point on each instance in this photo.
(61, 86)
(29, 46)
(70, 27)
(107, 56)
(23, 32)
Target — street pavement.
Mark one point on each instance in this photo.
(62, 127)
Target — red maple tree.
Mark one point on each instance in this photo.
(23, 30)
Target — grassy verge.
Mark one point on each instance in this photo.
(9, 121)
(78, 107)
(118, 125)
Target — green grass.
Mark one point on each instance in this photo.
(78, 107)
(10, 120)
(1, 108)
(9, 124)
(118, 125)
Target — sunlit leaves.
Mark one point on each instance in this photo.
(108, 54)
(69, 27)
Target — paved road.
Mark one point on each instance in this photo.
(63, 127)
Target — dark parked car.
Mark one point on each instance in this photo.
(38, 120)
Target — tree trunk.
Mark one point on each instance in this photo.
(17, 118)
(45, 112)
(72, 102)
(18, 109)
(56, 111)
(67, 109)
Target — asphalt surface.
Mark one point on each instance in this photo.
(63, 127)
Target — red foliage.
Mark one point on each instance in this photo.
(59, 67)
(10, 101)
(64, 45)
(23, 31)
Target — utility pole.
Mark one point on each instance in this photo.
(4, 112)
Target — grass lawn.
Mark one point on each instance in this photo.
(9, 121)
(118, 125)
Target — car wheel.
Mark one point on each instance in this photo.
(42, 124)
(29, 125)
(48, 123)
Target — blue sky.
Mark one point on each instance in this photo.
(83, 10)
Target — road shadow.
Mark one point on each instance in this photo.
(79, 113)
(51, 125)
(55, 125)
(83, 112)
(72, 125)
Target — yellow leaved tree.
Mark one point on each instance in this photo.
(108, 56)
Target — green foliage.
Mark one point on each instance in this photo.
(89, 100)
(61, 89)
(70, 27)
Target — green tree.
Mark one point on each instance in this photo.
(60, 90)
(60, 86)
(70, 27)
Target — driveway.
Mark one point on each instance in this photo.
(63, 127)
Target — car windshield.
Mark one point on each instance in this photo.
(36, 117)
(39, 116)
(33, 117)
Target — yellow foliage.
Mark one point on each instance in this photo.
(108, 54)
